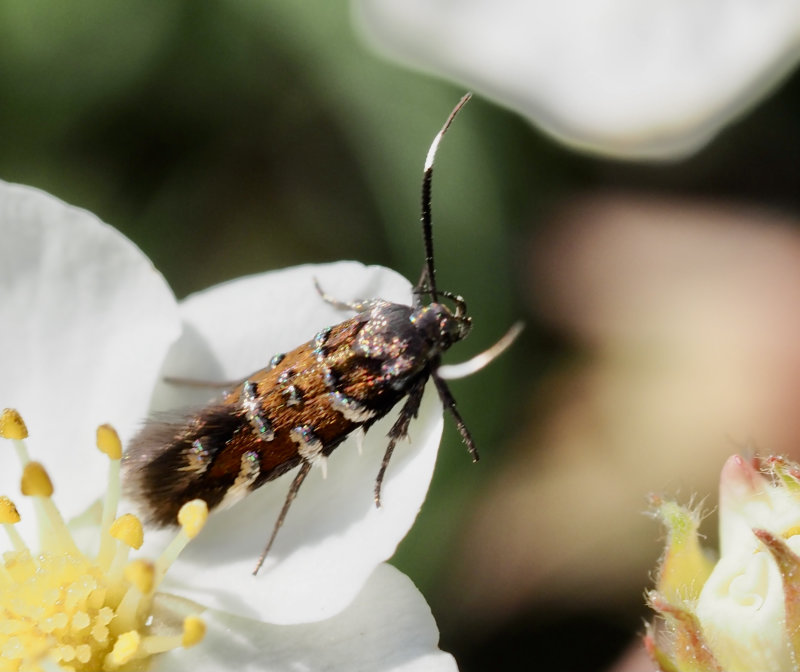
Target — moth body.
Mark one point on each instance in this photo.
(306, 402)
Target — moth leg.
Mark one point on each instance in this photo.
(399, 431)
(305, 467)
(422, 288)
(450, 404)
(359, 306)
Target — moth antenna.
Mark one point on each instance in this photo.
(427, 177)
(479, 361)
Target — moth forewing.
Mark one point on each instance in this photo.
(332, 515)
(210, 349)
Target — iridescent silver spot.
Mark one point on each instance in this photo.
(249, 470)
(276, 359)
(308, 445)
(397, 366)
(197, 458)
(351, 409)
(252, 411)
(329, 379)
(250, 467)
(319, 341)
(292, 395)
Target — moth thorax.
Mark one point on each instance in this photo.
(439, 326)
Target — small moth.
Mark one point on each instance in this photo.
(297, 410)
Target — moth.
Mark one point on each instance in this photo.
(305, 403)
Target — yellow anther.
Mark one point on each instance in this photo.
(12, 426)
(60, 610)
(8, 512)
(192, 516)
(141, 573)
(194, 629)
(108, 442)
(83, 653)
(124, 648)
(128, 529)
(35, 481)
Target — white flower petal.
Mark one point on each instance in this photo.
(741, 611)
(333, 536)
(388, 628)
(627, 78)
(86, 321)
(747, 501)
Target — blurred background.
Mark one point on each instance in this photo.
(660, 292)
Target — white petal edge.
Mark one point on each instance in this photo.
(619, 77)
(333, 536)
(387, 628)
(86, 322)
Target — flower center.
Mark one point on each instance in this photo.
(63, 610)
(54, 604)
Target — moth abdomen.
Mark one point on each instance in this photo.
(169, 460)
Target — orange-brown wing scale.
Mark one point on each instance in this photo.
(216, 454)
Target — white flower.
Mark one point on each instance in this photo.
(740, 614)
(87, 324)
(626, 78)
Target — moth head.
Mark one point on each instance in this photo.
(441, 326)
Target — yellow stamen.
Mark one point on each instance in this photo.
(9, 516)
(48, 665)
(12, 426)
(61, 611)
(128, 530)
(8, 511)
(109, 444)
(35, 481)
(191, 517)
(194, 630)
(124, 650)
(141, 574)
(54, 532)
